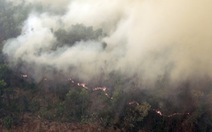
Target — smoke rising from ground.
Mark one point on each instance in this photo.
(147, 40)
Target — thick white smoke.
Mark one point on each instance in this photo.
(52, 4)
(148, 39)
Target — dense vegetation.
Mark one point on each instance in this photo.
(129, 108)
(68, 102)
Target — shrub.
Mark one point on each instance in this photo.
(8, 122)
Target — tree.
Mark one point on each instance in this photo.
(135, 113)
(78, 33)
(2, 86)
(76, 103)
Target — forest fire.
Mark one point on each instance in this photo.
(133, 102)
(170, 115)
(24, 75)
(104, 89)
(78, 84)
(159, 112)
(84, 85)
(100, 88)
(135, 63)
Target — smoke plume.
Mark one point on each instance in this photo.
(146, 40)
